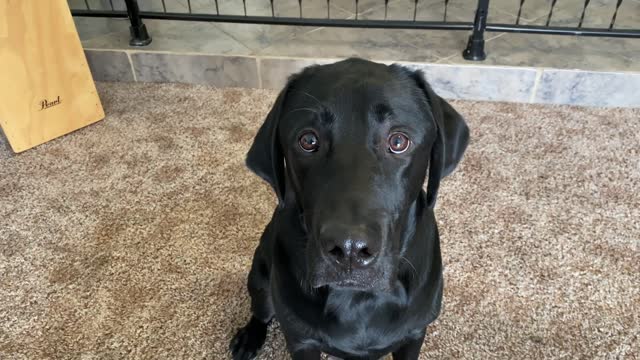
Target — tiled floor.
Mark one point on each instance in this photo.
(520, 68)
(564, 52)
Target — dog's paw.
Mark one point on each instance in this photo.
(248, 340)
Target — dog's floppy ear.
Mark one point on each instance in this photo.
(265, 157)
(450, 143)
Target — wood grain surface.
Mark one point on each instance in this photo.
(46, 86)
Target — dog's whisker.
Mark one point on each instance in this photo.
(415, 272)
(315, 111)
(311, 96)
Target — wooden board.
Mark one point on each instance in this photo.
(46, 88)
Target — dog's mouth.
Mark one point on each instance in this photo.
(355, 280)
(343, 284)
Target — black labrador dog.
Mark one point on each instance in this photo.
(350, 263)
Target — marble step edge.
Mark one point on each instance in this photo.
(451, 81)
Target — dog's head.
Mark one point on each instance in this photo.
(350, 144)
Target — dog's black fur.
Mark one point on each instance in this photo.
(350, 263)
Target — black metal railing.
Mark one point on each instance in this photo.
(195, 10)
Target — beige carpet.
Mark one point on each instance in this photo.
(132, 238)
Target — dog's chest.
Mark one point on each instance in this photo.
(362, 329)
(331, 357)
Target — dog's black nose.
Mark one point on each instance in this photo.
(351, 252)
(351, 246)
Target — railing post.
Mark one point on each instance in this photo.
(139, 34)
(475, 46)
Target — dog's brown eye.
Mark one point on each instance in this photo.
(398, 143)
(309, 141)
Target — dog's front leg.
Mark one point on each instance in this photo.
(410, 350)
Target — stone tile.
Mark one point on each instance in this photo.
(480, 82)
(533, 11)
(76, 4)
(156, 5)
(257, 37)
(505, 11)
(93, 4)
(275, 71)
(90, 28)
(362, 6)
(281, 8)
(562, 52)
(442, 43)
(176, 36)
(457, 10)
(500, 11)
(598, 13)
(145, 5)
(220, 71)
(230, 7)
(108, 65)
(425, 10)
(375, 44)
(310, 9)
(589, 88)
(434, 10)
